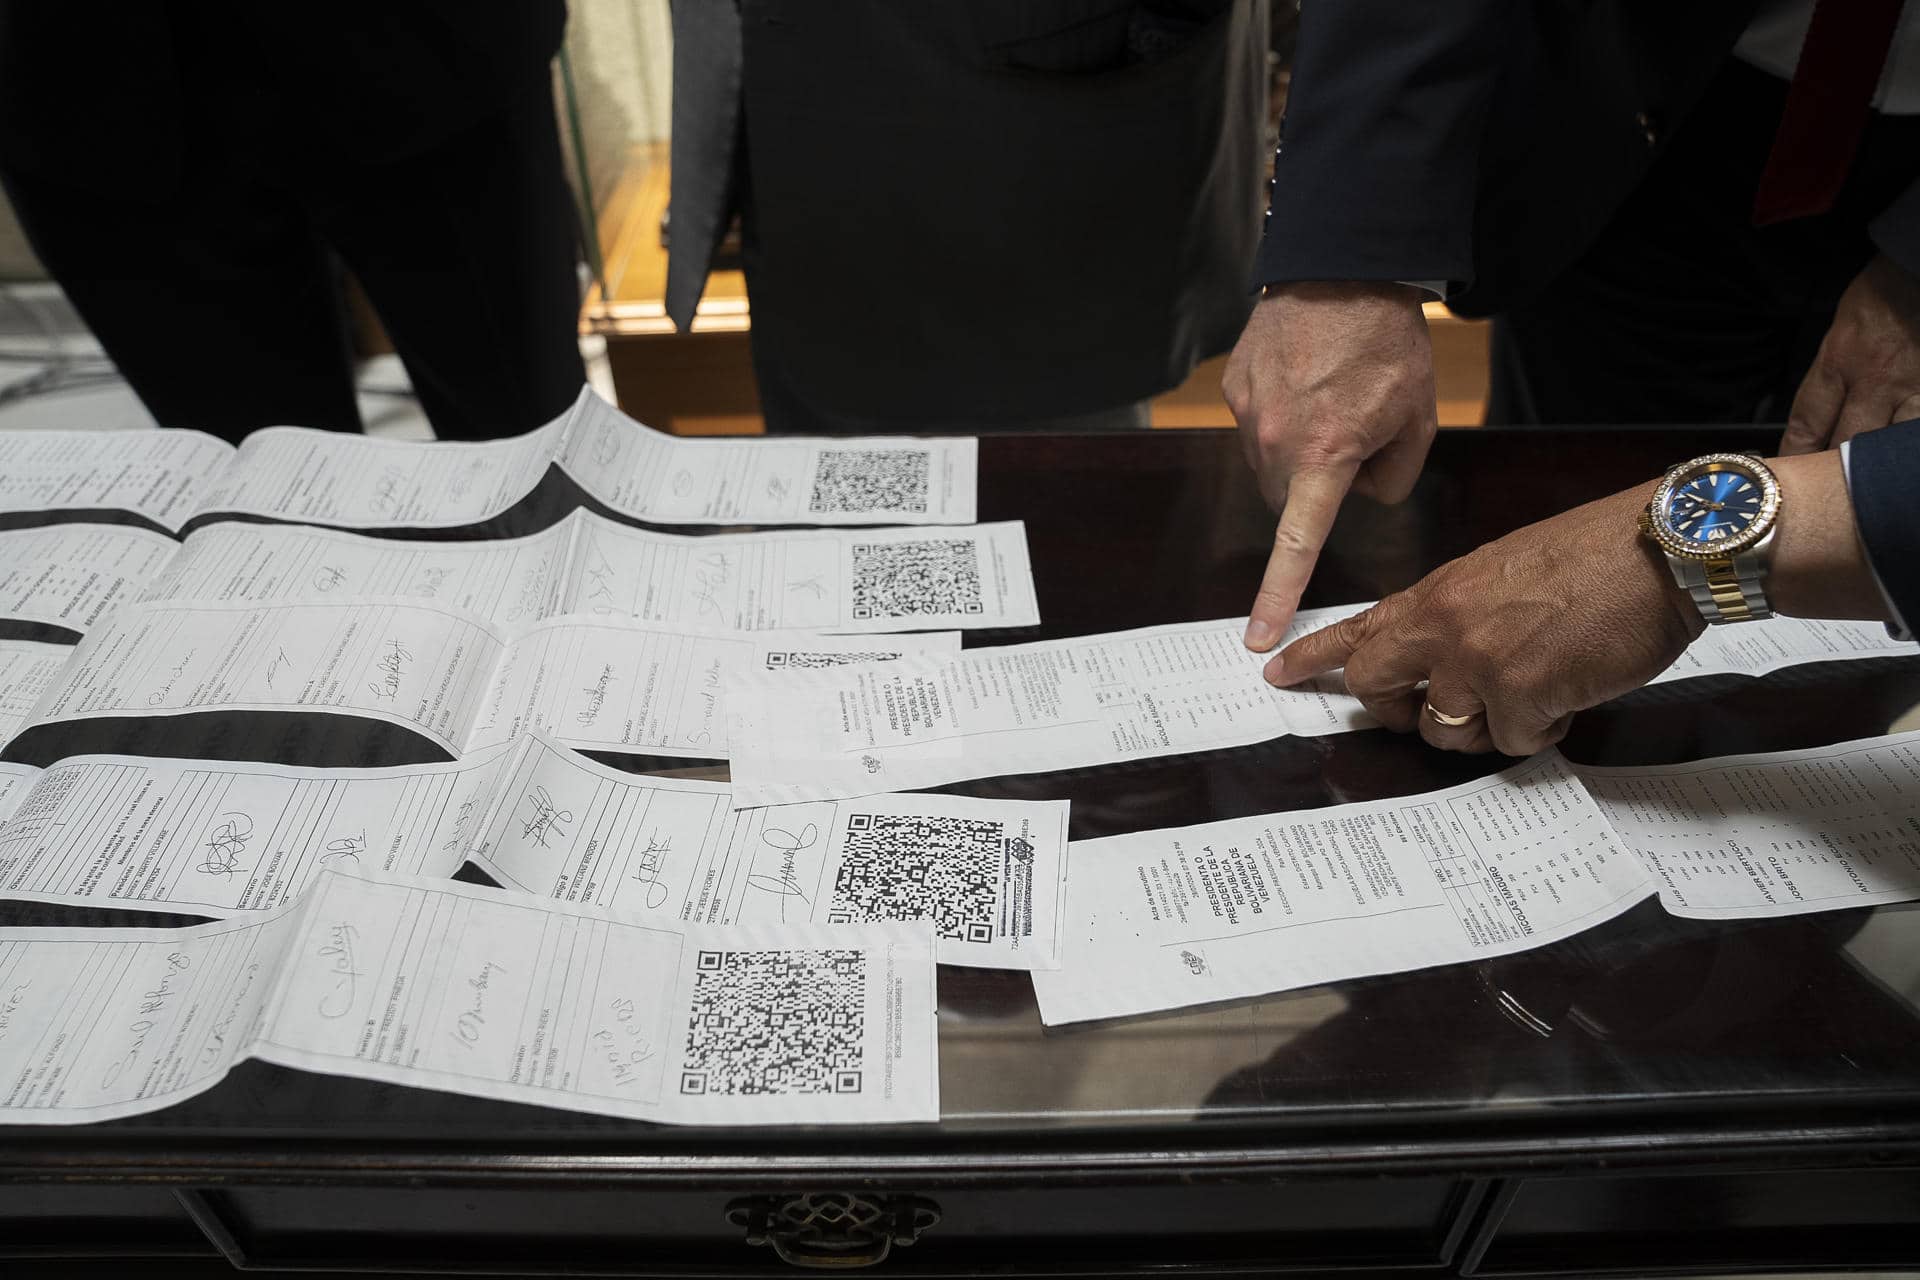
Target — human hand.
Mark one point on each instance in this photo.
(1332, 385)
(1867, 372)
(1519, 635)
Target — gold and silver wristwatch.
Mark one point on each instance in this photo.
(1714, 519)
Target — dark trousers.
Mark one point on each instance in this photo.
(220, 305)
(1683, 311)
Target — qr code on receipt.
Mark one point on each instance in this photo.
(911, 867)
(925, 575)
(776, 1022)
(870, 480)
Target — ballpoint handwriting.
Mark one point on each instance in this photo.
(787, 845)
(711, 572)
(648, 865)
(544, 818)
(152, 1003)
(393, 665)
(161, 694)
(338, 1001)
(344, 852)
(596, 694)
(386, 492)
(624, 1042)
(471, 1021)
(224, 845)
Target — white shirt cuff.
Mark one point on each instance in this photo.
(1898, 628)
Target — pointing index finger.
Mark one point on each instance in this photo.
(1313, 500)
(1321, 651)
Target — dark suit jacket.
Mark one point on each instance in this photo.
(972, 211)
(1883, 468)
(1488, 142)
(112, 97)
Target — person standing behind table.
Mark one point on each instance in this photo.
(184, 169)
(966, 214)
(1666, 227)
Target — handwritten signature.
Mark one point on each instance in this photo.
(159, 695)
(386, 492)
(327, 577)
(709, 697)
(788, 845)
(391, 667)
(711, 572)
(151, 1003)
(596, 696)
(339, 999)
(600, 580)
(544, 818)
(224, 845)
(648, 866)
(15, 999)
(810, 586)
(471, 1021)
(624, 1042)
(431, 580)
(344, 852)
(280, 659)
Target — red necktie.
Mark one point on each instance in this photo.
(1827, 105)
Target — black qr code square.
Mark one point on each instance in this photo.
(800, 660)
(910, 579)
(903, 867)
(776, 1022)
(870, 480)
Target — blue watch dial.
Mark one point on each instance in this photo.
(1714, 506)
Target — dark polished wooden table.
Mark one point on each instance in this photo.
(1654, 1095)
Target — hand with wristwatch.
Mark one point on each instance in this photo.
(1714, 520)
(1497, 650)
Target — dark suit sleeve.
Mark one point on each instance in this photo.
(1882, 469)
(1379, 151)
(1896, 231)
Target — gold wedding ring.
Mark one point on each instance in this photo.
(1452, 722)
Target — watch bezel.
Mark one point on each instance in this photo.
(1675, 543)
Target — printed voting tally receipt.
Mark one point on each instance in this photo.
(1250, 906)
(27, 668)
(605, 685)
(847, 581)
(159, 475)
(461, 683)
(652, 476)
(347, 481)
(1517, 860)
(986, 873)
(1099, 699)
(843, 581)
(481, 992)
(1059, 704)
(213, 838)
(506, 581)
(1782, 833)
(358, 482)
(71, 575)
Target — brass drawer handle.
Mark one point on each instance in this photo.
(832, 1230)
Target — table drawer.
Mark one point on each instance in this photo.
(1302, 1225)
(1734, 1221)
